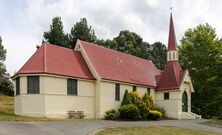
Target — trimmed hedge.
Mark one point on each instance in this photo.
(129, 112)
(155, 115)
(126, 99)
(111, 115)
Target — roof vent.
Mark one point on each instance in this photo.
(120, 60)
(137, 65)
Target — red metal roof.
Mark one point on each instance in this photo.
(172, 38)
(52, 59)
(171, 76)
(114, 65)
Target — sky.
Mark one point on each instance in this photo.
(23, 22)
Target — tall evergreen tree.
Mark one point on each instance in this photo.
(6, 86)
(200, 53)
(126, 98)
(82, 31)
(157, 53)
(56, 34)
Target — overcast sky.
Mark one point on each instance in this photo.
(23, 22)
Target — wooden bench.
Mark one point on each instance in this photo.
(76, 114)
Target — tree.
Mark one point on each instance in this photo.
(56, 34)
(126, 98)
(148, 100)
(6, 87)
(82, 31)
(157, 53)
(131, 43)
(200, 53)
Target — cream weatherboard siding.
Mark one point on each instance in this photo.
(107, 95)
(53, 100)
(172, 105)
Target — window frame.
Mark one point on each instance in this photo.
(117, 92)
(166, 96)
(33, 84)
(17, 86)
(72, 87)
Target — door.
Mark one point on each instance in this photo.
(184, 102)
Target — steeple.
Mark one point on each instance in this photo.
(172, 53)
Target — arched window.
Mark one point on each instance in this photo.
(184, 102)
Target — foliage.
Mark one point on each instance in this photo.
(6, 87)
(200, 53)
(154, 115)
(137, 101)
(148, 100)
(126, 98)
(129, 112)
(56, 34)
(81, 31)
(160, 109)
(158, 54)
(111, 115)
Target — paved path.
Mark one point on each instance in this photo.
(86, 127)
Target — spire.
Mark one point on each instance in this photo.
(172, 38)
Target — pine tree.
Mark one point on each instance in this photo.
(6, 87)
(126, 99)
(56, 34)
(81, 31)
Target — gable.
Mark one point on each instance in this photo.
(186, 80)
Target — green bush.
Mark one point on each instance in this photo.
(160, 109)
(129, 112)
(111, 115)
(148, 100)
(154, 115)
(126, 99)
(137, 101)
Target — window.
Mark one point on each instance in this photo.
(33, 84)
(17, 87)
(148, 91)
(117, 91)
(71, 87)
(173, 55)
(134, 88)
(166, 96)
(169, 56)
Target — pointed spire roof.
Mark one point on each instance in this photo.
(172, 38)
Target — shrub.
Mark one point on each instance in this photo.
(111, 115)
(148, 100)
(137, 101)
(126, 99)
(160, 109)
(154, 115)
(130, 112)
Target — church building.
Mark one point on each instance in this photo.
(93, 79)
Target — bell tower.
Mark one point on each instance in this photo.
(172, 52)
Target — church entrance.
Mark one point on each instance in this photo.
(184, 102)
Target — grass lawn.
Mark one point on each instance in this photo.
(215, 121)
(152, 131)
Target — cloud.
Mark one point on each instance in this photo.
(23, 22)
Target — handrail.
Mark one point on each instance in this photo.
(197, 109)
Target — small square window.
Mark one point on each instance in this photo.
(166, 96)
(134, 88)
(33, 84)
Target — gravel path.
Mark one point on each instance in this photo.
(86, 127)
